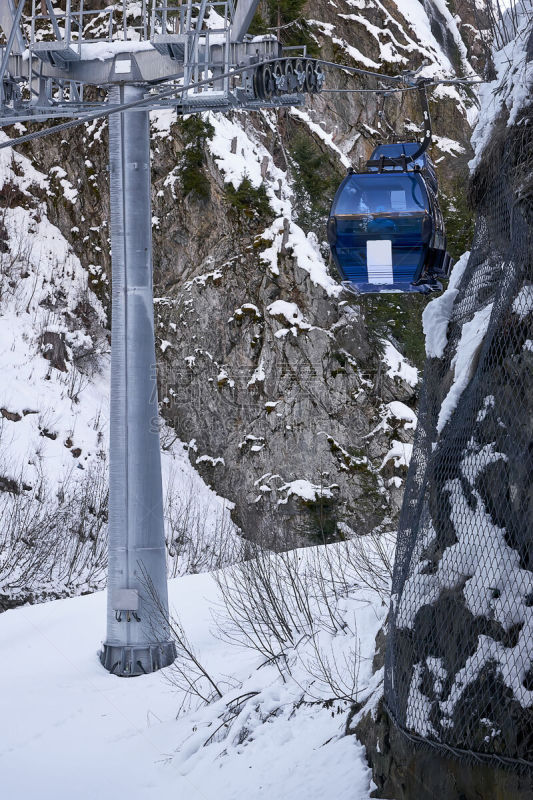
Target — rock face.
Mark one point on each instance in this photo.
(295, 401)
(403, 771)
(278, 387)
(459, 665)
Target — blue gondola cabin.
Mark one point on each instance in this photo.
(385, 228)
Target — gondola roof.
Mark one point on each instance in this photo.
(375, 193)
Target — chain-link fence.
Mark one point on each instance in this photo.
(459, 670)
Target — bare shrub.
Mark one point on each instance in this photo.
(506, 19)
(266, 605)
(186, 673)
(54, 544)
(197, 540)
(367, 562)
(15, 252)
(333, 668)
(286, 606)
(294, 609)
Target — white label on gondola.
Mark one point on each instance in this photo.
(123, 66)
(379, 261)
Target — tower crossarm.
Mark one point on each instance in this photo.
(195, 54)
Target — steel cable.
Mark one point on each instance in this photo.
(176, 90)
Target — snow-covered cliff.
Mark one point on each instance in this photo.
(460, 670)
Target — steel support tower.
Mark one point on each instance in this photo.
(171, 57)
(137, 604)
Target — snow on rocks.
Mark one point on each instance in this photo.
(523, 302)
(290, 313)
(388, 51)
(18, 170)
(246, 310)
(437, 313)
(305, 490)
(210, 461)
(308, 256)
(254, 443)
(494, 587)
(447, 145)
(472, 336)
(419, 705)
(201, 280)
(402, 412)
(400, 453)
(285, 235)
(327, 28)
(398, 366)
(70, 193)
(161, 122)
(239, 154)
(50, 283)
(428, 46)
(508, 92)
(327, 138)
(258, 375)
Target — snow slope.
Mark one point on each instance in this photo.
(89, 734)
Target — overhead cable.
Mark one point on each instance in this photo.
(149, 100)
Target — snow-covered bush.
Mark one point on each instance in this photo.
(297, 612)
(198, 538)
(52, 544)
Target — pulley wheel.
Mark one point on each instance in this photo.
(279, 78)
(319, 78)
(299, 74)
(290, 78)
(264, 82)
(309, 81)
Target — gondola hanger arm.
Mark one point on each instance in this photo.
(404, 160)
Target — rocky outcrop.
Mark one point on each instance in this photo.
(458, 668)
(403, 770)
(282, 391)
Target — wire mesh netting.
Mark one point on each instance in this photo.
(459, 669)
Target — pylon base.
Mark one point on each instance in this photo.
(128, 661)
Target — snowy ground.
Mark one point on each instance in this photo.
(71, 729)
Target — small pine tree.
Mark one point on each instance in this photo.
(315, 181)
(249, 200)
(195, 132)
